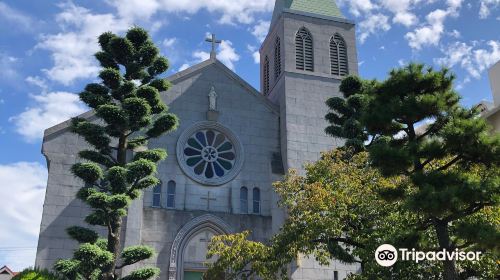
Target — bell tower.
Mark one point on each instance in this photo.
(309, 49)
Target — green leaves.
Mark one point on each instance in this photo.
(163, 124)
(160, 84)
(94, 134)
(111, 77)
(152, 95)
(133, 254)
(82, 235)
(88, 172)
(154, 155)
(139, 169)
(447, 155)
(137, 36)
(142, 274)
(121, 49)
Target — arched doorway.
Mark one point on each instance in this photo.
(194, 255)
(187, 256)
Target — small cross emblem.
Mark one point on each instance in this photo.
(208, 198)
(214, 42)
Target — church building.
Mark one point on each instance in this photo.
(232, 143)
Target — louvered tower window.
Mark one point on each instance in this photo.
(266, 75)
(338, 56)
(304, 50)
(277, 58)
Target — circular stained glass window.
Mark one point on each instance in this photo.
(209, 153)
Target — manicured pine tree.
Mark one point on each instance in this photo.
(130, 112)
(413, 125)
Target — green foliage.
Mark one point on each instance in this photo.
(143, 274)
(135, 254)
(163, 124)
(336, 211)
(37, 274)
(87, 171)
(130, 111)
(82, 235)
(417, 129)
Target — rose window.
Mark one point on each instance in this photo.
(210, 154)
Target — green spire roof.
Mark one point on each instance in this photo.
(320, 7)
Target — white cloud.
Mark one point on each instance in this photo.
(183, 67)
(49, 109)
(169, 42)
(201, 56)
(255, 53)
(8, 66)
(260, 30)
(22, 190)
(72, 51)
(242, 11)
(486, 6)
(37, 81)
(431, 32)
(16, 17)
(471, 57)
(455, 34)
(357, 7)
(373, 24)
(401, 10)
(226, 54)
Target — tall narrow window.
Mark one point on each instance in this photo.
(338, 56)
(335, 275)
(256, 201)
(157, 196)
(244, 200)
(171, 194)
(304, 50)
(277, 59)
(266, 75)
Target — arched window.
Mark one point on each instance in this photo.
(277, 58)
(304, 50)
(256, 201)
(338, 56)
(244, 200)
(171, 194)
(157, 196)
(266, 75)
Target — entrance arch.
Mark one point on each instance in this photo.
(203, 226)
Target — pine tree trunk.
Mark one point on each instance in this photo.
(114, 227)
(450, 272)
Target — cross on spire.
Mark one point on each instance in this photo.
(214, 42)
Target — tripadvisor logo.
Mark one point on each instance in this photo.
(387, 255)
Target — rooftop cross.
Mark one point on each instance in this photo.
(214, 42)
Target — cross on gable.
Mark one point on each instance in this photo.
(214, 42)
(208, 198)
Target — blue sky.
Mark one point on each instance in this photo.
(46, 52)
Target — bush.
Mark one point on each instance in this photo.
(37, 274)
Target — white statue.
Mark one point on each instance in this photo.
(212, 99)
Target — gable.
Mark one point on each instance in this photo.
(210, 65)
(217, 74)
